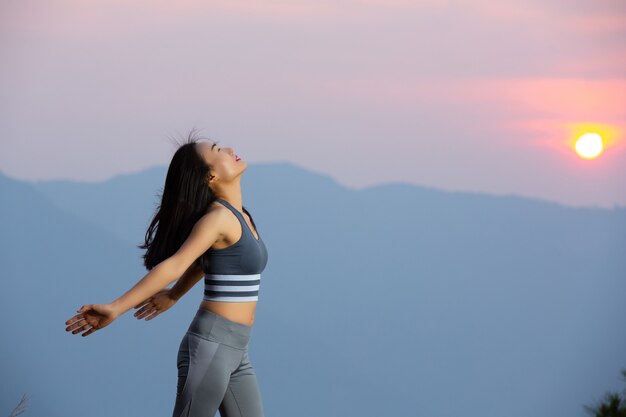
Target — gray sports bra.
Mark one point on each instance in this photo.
(235, 271)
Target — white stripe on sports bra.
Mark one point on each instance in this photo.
(230, 287)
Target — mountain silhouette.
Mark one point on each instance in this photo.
(392, 300)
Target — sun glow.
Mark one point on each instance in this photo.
(590, 140)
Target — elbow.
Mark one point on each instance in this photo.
(171, 269)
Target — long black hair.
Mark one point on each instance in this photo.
(185, 199)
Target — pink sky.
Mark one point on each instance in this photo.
(461, 95)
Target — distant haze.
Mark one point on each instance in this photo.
(393, 300)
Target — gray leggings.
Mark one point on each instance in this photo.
(214, 371)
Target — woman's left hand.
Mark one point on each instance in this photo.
(155, 305)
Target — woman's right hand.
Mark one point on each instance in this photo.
(155, 305)
(91, 317)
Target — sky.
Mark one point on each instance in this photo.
(465, 95)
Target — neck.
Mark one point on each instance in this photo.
(232, 194)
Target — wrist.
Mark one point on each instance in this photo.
(172, 294)
(116, 308)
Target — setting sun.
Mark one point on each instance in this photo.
(589, 145)
(590, 140)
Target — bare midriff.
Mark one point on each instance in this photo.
(240, 312)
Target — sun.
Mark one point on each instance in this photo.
(590, 140)
(589, 145)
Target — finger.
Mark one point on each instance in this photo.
(147, 312)
(75, 318)
(143, 302)
(143, 309)
(76, 324)
(153, 315)
(72, 319)
(88, 332)
(82, 328)
(84, 308)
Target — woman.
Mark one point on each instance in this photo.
(199, 230)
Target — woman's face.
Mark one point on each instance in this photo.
(226, 164)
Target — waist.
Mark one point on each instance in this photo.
(240, 312)
(212, 326)
(232, 287)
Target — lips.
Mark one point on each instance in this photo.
(237, 158)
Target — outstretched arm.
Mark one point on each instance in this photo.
(204, 234)
(92, 317)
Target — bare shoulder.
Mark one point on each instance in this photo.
(221, 219)
(205, 232)
(215, 217)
